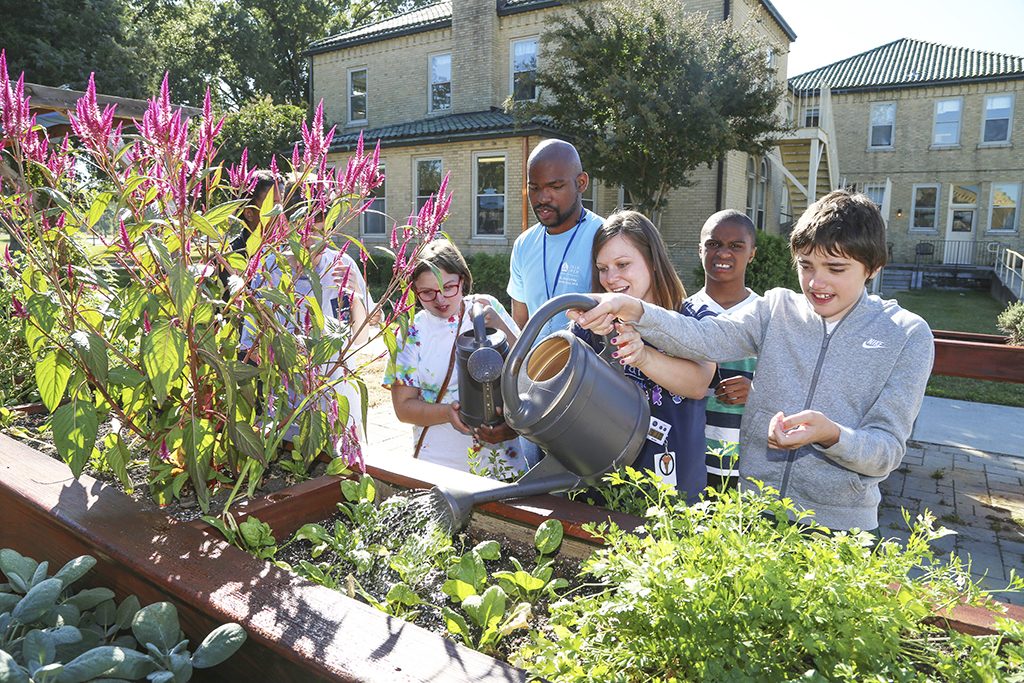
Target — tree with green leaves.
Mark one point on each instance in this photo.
(264, 128)
(649, 92)
(59, 42)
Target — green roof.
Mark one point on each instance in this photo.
(492, 123)
(439, 15)
(909, 63)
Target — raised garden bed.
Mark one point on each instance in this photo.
(977, 356)
(297, 631)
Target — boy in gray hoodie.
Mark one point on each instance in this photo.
(840, 376)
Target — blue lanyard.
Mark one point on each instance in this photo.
(558, 273)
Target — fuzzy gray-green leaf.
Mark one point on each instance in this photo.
(38, 601)
(220, 644)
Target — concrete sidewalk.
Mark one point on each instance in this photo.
(965, 464)
(978, 426)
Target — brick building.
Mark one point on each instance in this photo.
(430, 85)
(930, 131)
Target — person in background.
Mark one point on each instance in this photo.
(630, 258)
(344, 314)
(423, 378)
(555, 255)
(728, 243)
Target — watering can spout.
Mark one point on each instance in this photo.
(546, 477)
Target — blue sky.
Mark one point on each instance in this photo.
(830, 30)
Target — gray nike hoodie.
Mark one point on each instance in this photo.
(868, 376)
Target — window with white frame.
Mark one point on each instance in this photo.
(876, 193)
(375, 215)
(946, 131)
(1003, 212)
(625, 200)
(751, 188)
(998, 117)
(883, 125)
(357, 95)
(924, 212)
(590, 196)
(427, 180)
(811, 117)
(762, 194)
(524, 69)
(963, 207)
(440, 82)
(489, 192)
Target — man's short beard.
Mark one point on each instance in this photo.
(560, 218)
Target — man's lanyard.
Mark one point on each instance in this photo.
(558, 273)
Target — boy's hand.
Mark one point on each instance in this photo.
(631, 348)
(495, 434)
(601, 318)
(801, 429)
(733, 391)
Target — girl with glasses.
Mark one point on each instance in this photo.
(423, 378)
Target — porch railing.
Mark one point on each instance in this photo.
(1009, 268)
(942, 252)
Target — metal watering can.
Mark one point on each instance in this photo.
(579, 407)
(480, 354)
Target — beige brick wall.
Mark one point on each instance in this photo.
(458, 160)
(397, 93)
(913, 160)
(397, 76)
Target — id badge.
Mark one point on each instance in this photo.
(658, 431)
(665, 466)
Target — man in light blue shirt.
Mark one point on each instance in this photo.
(555, 256)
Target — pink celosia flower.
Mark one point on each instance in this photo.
(17, 308)
(147, 328)
(241, 177)
(92, 126)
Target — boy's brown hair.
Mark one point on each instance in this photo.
(443, 255)
(842, 223)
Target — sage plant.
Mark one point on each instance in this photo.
(133, 300)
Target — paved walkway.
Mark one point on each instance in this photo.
(965, 463)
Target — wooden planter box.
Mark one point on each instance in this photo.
(977, 356)
(298, 631)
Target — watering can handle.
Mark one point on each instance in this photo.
(479, 324)
(554, 306)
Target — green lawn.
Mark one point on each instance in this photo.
(963, 312)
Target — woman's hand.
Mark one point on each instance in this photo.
(601, 318)
(631, 349)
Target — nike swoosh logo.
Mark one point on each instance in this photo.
(873, 344)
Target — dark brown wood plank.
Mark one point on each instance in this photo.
(996, 362)
(297, 631)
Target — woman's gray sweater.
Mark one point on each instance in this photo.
(868, 376)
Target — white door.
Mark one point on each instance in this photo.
(961, 225)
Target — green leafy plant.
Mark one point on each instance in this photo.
(17, 372)
(50, 633)
(140, 325)
(613, 493)
(529, 586)
(252, 535)
(1011, 321)
(731, 589)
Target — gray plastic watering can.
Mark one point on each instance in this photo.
(480, 354)
(579, 407)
